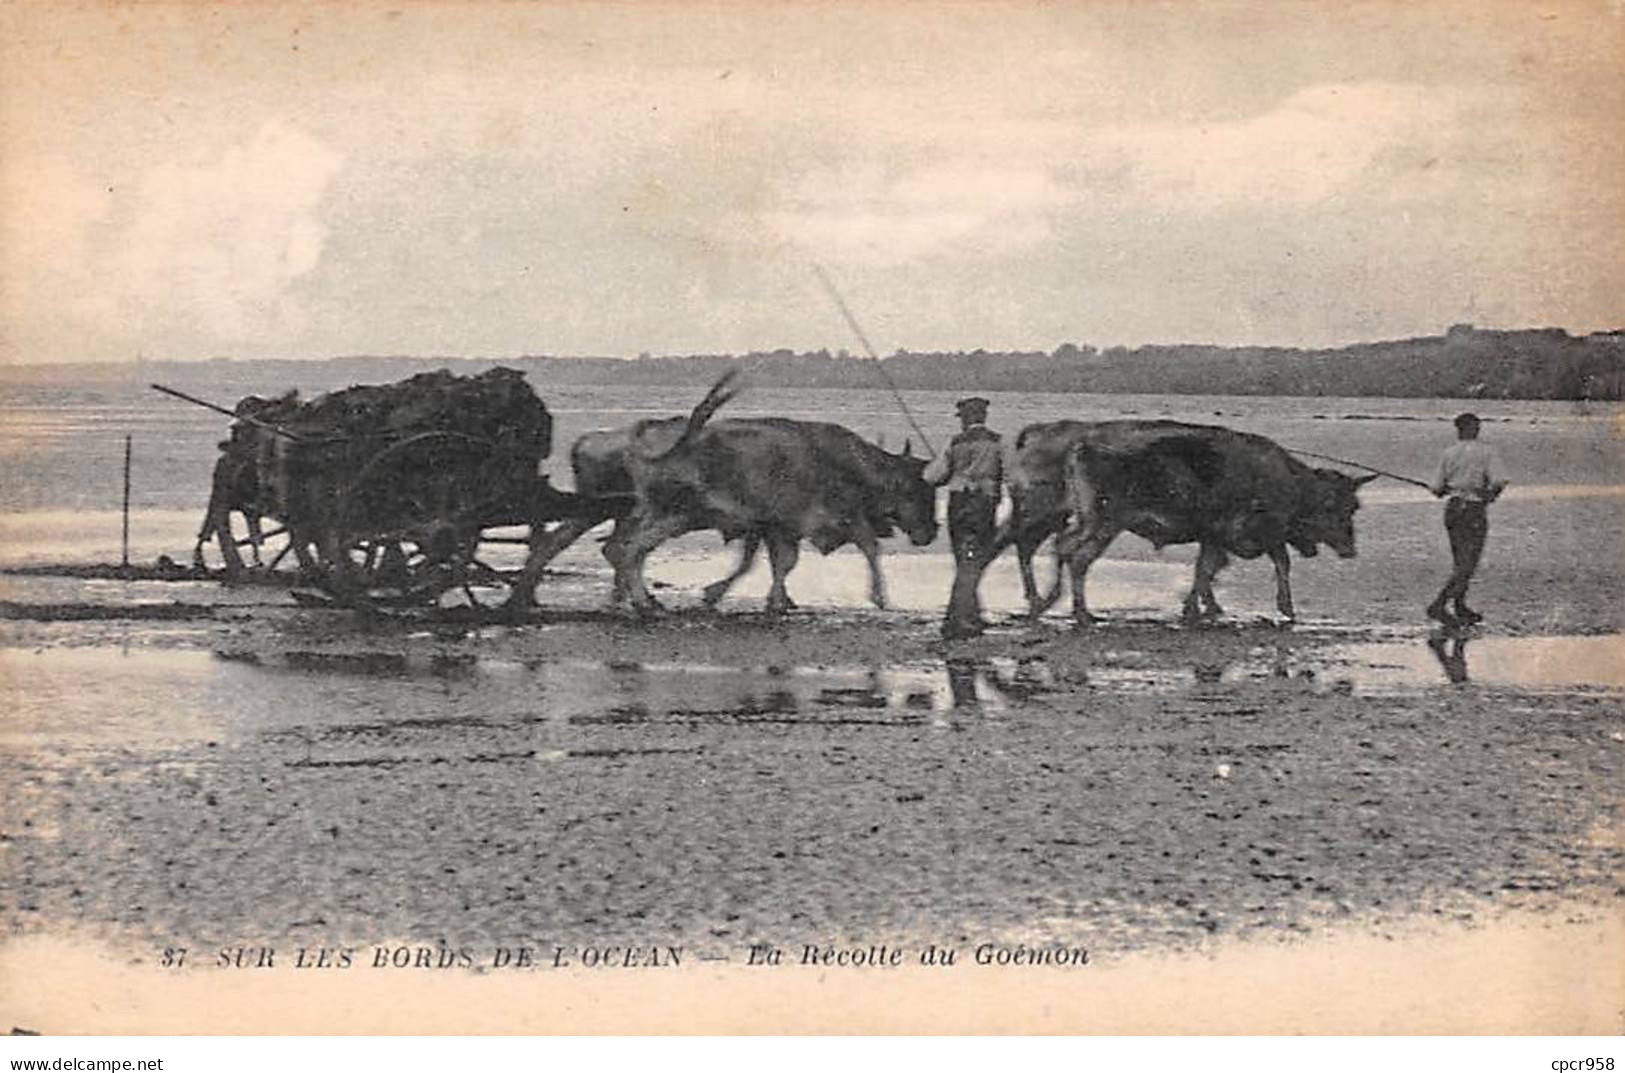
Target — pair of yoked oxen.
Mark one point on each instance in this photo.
(776, 481)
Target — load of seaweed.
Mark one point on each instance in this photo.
(497, 406)
(396, 451)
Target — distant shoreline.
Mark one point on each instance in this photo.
(1464, 363)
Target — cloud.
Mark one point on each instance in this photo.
(210, 248)
(862, 214)
(1317, 144)
(47, 212)
(1005, 188)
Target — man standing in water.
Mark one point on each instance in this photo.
(1471, 477)
(973, 469)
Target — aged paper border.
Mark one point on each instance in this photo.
(1537, 975)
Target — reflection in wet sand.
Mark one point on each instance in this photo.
(1451, 652)
(145, 695)
(973, 683)
(1517, 662)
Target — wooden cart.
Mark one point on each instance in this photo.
(393, 494)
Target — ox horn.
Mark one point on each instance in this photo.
(908, 447)
(1367, 479)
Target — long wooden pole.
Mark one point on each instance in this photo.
(1361, 465)
(256, 422)
(126, 544)
(852, 322)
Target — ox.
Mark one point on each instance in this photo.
(1232, 492)
(233, 489)
(1036, 477)
(235, 485)
(598, 462)
(770, 481)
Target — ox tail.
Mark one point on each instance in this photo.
(720, 394)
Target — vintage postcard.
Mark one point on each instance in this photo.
(812, 518)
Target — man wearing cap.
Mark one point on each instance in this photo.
(1471, 478)
(973, 469)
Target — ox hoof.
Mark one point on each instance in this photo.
(1084, 621)
(712, 596)
(961, 631)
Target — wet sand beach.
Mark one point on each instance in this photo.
(221, 768)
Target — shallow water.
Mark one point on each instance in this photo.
(144, 697)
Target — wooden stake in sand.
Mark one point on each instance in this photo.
(126, 559)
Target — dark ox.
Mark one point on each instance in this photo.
(768, 480)
(235, 485)
(1036, 477)
(599, 464)
(1232, 492)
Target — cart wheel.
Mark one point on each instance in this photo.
(409, 527)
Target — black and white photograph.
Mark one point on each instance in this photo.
(812, 518)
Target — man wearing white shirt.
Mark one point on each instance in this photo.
(1470, 478)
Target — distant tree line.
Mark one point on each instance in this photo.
(1465, 362)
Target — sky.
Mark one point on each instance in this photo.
(182, 181)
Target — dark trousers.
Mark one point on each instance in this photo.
(971, 530)
(1467, 523)
(970, 524)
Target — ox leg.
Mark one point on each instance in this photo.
(1027, 545)
(1028, 539)
(1283, 582)
(217, 527)
(217, 518)
(545, 545)
(221, 528)
(715, 591)
(1210, 603)
(1209, 561)
(613, 548)
(782, 554)
(645, 536)
(1079, 548)
(203, 535)
(309, 565)
(256, 535)
(864, 537)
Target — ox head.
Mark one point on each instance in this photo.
(1327, 515)
(913, 502)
